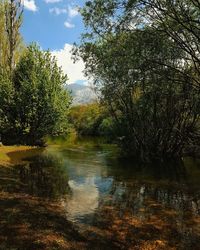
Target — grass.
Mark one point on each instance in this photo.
(15, 155)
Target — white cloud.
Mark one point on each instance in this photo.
(74, 71)
(52, 1)
(69, 25)
(57, 11)
(30, 5)
(72, 11)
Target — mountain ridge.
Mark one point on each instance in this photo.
(82, 94)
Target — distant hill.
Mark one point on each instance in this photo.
(82, 94)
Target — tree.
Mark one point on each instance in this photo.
(11, 46)
(143, 78)
(3, 40)
(6, 102)
(40, 99)
(179, 20)
(13, 21)
(91, 119)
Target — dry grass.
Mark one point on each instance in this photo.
(15, 155)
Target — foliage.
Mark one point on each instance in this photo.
(147, 80)
(11, 42)
(10, 22)
(40, 102)
(179, 20)
(91, 119)
(6, 102)
(33, 99)
(3, 40)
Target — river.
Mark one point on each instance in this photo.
(83, 196)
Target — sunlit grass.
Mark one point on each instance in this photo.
(14, 155)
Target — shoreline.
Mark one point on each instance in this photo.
(15, 155)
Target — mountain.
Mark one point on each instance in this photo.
(82, 94)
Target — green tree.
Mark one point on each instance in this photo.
(92, 119)
(3, 39)
(87, 118)
(13, 22)
(143, 78)
(6, 102)
(11, 46)
(179, 20)
(40, 100)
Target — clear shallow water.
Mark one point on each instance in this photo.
(112, 200)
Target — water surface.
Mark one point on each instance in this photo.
(113, 203)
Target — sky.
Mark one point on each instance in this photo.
(56, 25)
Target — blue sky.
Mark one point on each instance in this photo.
(55, 25)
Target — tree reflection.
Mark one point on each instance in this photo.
(150, 212)
(44, 176)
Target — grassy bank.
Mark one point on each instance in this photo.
(15, 155)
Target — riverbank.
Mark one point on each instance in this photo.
(15, 155)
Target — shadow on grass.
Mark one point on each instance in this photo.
(30, 223)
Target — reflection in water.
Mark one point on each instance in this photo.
(115, 204)
(84, 199)
(168, 209)
(112, 198)
(45, 176)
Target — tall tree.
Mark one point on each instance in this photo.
(178, 19)
(13, 14)
(3, 39)
(143, 76)
(10, 48)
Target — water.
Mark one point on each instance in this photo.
(113, 203)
